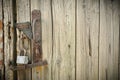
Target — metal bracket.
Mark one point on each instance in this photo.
(37, 36)
(26, 28)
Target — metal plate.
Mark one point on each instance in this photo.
(25, 28)
(37, 36)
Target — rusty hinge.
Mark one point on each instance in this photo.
(37, 36)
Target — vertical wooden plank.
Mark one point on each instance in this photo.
(37, 71)
(109, 40)
(87, 39)
(1, 41)
(63, 66)
(36, 43)
(23, 15)
(119, 43)
(115, 41)
(8, 37)
(46, 23)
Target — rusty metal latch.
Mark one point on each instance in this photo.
(34, 33)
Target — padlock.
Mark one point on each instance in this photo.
(22, 59)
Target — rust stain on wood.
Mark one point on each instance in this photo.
(1, 62)
(37, 52)
(38, 68)
(36, 14)
(0, 25)
(1, 50)
(37, 36)
(23, 25)
(1, 40)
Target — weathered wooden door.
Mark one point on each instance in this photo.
(80, 39)
(20, 11)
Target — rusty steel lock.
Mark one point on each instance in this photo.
(22, 59)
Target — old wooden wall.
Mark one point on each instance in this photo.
(80, 39)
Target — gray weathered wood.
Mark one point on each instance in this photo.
(109, 40)
(63, 62)
(80, 39)
(46, 23)
(23, 15)
(37, 71)
(87, 33)
(8, 38)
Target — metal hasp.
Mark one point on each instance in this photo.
(33, 32)
(25, 28)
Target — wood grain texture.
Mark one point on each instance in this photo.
(1, 41)
(109, 40)
(87, 39)
(63, 62)
(23, 15)
(8, 37)
(80, 39)
(46, 23)
(1, 33)
(119, 43)
(37, 71)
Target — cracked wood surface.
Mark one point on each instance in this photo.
(63, 63)
(87, 39)
(109, 40)
(8, 37)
